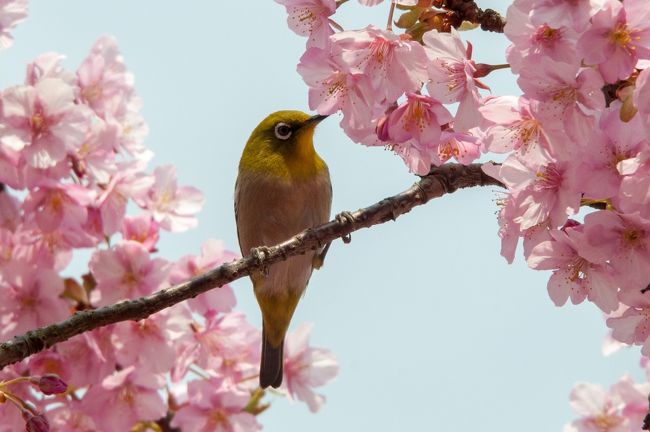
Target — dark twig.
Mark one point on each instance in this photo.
(445, 179)
(467, 10)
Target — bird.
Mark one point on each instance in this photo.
(283, 187)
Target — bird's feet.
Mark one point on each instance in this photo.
(259, 254)
(345, 217)
(319, 259)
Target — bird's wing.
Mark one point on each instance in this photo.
(236, 200)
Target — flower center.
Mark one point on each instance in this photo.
(632, 237)
(92, 93)
(129, 278)
(38, 123)
(415, 117)
(621, 35)
(549, 177)
(546, 35)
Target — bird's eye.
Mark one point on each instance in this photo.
(282, 131)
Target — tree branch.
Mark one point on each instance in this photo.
(468, 10)
(441, 180)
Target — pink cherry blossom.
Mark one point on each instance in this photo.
(633, 326)
(575, 14)
(536, 45)
(173, 207)
(11, 13)
(86, 358)
(634, 194)
(48, 65)
(214, 406)
(71, 418)
(614, 141)
(306, 367)
(635, 399)
(618, 36)
(333, 86)
(95, 158)
(512, 124)
(213, 254)
(51, 362)
(128, 183)
(148, 343)
(573, 275)
(420, 118)
(227, 344)
(568, 96)
(451, 76)
(142, 229)
(418, 160)
(43, 121)
(50, 249)
(58, 205)
(104, 83)
(544, 189)
(464, 147)
(30, 298)
(599, 410)
(310, 18)
(126, 271)
(621, 239)
(124, 398)
(394, 63)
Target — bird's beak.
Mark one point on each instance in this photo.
(314, 120)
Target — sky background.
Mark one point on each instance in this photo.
(433, 330)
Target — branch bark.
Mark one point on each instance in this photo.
(441, 180)
(468, 10)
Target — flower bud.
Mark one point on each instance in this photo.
(37, 423)
(51, 384)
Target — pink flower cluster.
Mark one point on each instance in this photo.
(568, 151)
(72, 161)
(621, 408)
(375, 78)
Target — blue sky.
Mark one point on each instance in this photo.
(432, 328)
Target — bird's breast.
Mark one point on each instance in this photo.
(270, 210)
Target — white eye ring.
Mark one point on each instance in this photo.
(282, 131)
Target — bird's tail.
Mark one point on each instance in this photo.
(271, 364)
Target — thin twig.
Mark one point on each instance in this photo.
(467, 10)
(445, 179)
(389, 24)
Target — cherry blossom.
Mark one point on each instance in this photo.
(124, 398)
(11, 13)
(451, 73)
(213, 406)
(126, 271)
(213, 254)
(306, 367)
(395, 64)
(618, 36)
(310, 18)
(574, 277)
(30, 298)
(173, 207)
(43, 120)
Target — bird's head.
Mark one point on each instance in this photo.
(283, 144)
